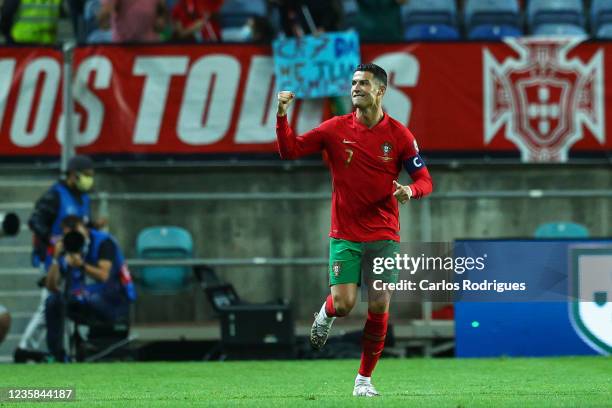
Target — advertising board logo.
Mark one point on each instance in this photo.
(543, 98)
(591, 291)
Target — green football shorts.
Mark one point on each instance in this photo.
(349, 261)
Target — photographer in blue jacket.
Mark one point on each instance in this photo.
(96, 281)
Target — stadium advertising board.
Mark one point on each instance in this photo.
(534, 99)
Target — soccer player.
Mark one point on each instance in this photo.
(367, 150)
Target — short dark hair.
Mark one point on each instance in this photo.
(72, 221)
(379, 73)
(79, 163)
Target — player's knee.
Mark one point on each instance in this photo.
(343, 305)
(378, 307)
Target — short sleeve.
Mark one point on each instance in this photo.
(107, 251)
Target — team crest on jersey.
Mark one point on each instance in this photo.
(386, 149)
(543, 98)
(336, 268)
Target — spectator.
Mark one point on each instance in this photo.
(64, 198)
(325, 15)
(30, 21)
(299, 17)
(132, 20)
(197, 20)
(95, 256)
(93, 31)
(380, 20)
(76, 9)
(257, 29)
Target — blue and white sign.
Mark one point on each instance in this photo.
(578, 271)
(316, 66)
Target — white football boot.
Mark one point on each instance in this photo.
(320, 329)
(364, 387)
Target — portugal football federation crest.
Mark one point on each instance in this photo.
(543, 98)
(336, 268)
(386, 149)
(591, 291)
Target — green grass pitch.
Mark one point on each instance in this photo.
(549, 382)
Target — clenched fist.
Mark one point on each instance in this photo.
(285, 98)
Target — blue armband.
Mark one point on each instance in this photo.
(414, 163)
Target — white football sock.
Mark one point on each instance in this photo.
(361, 379)
(322, 317)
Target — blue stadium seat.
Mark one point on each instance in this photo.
(555, 12)
(350, 9)
(562, 30)
(493, 32)
(92, 32)
(430, 32)
(164, 242)
(170, 4)
(235, 13)
(604, 32)
(601, 13)
(492, 12)
(562, 230)
(430, 12)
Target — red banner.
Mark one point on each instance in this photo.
(541, 99)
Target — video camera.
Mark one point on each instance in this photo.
(10, 224)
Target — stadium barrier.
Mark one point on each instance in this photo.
(425, 209)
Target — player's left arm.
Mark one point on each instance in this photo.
(422, 183)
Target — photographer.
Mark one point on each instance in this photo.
(97, 283)
(68, 196)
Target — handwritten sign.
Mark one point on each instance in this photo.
(316, 66)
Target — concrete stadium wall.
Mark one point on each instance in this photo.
(299, 229)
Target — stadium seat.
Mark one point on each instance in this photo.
(561, 230)
(604, 32)
(350, 9)
(493, 32)
(429, 12)
(601, 13)
(563, 30)
(164, 242)
(235, 13)
(492, 12)
(92, 32)
(430, 32)
(555, 12)
(232, 34)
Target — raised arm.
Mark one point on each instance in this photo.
(290, 146)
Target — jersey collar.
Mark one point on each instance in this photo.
(383, 122)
